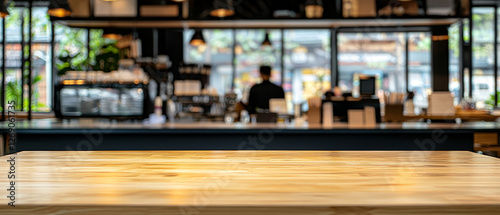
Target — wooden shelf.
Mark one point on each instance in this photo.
(132, 22)
(463, 117)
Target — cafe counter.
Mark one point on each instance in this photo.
(97, 135)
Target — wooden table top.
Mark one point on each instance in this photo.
(213, 182)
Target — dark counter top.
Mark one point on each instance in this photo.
(98, 134)
(107, 126)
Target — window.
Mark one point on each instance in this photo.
(498, 56)
(217, 52)
(307, 64)
(13, 55)
(40, 25)
(70, 42)
(250, 54)
(482, 50)
(454, 68)
(41, 61)
(13, 24)
(378, 54)
(419, 67)
(17, 32)
(42, 77)
(1, 54)
(467, 77)
(307, 60)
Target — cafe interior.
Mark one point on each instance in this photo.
(250, 107)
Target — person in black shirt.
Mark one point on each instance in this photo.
(261, 93)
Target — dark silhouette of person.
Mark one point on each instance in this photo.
(258, 100)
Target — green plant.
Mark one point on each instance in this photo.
(13, 93)
(66, 63)
(107, 59)
(491, 101)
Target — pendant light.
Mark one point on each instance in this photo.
(197, 38)
(222, 8)
(3, 10)
(111, 34)
(59, 8)
(314, 9)
(267, 41)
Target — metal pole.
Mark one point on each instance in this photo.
(407, 62)
(155, 44)
(23, 61)
(471, 69)
(53, 71)
(334, 51)
(88, 49)
(3, 71)
(282, 65)
(30, 68)
(495, 61)
(233, 60)
(461, 47)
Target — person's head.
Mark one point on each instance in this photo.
(265, 73)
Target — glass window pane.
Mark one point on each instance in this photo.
(378, 54)
(40, 25)
(13, 24)
(71, 42)
(217, 52)
(1, 30)
(466, 78)
(1, 71)
(419, 67)
(307, 64)
(498, 57)
(13, 55)
(41, 78)
(13, 86)
(454, 52)
(96, 43)
(250, 54)
(482, 46)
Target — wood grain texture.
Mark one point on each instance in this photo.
(254, 182)
(486, 139)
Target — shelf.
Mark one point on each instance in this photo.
(131, 22)
(102, 85)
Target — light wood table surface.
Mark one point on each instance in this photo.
(253, 182)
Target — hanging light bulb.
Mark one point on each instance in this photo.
(314, 9)
(197, 38)
(59, 8)
(267, 41)
(222, 8)
(3, 10)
